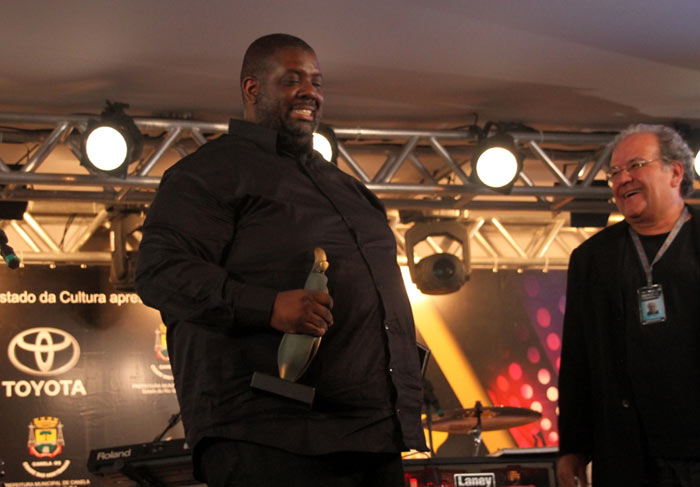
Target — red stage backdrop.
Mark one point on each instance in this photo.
(509, 326)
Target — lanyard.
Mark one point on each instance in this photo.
(685, 216)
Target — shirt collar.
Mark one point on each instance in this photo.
(263, 137)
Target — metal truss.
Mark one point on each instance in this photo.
(418, 174)
(508, 242)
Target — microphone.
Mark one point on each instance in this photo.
(7, 253)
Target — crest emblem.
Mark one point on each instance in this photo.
(45, 437)
(161, 346)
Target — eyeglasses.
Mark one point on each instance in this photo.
(632, 168)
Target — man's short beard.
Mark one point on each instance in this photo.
(295, 140)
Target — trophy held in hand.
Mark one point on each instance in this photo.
(296, 351)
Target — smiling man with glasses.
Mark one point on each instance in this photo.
(630, 368)
(649, 179)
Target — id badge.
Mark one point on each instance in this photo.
(651, 304)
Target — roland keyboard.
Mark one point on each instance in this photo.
(157, 464)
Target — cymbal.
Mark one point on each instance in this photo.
(492, 418)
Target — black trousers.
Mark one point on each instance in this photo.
(663, 472)
(230, 463)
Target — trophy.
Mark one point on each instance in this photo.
(296, 351)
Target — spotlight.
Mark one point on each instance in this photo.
(112, 143)
(496, 163)
(440, 273)
(696, 165)
(326, 143)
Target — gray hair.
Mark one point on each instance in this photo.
(672, 147)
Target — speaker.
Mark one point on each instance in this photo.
(525, 467)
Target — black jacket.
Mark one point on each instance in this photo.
(598, 415)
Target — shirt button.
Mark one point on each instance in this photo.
(391, 370)
(625, 403)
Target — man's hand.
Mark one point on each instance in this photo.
(571, 471)
(302, 311)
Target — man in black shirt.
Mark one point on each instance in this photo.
(629, 384)
(227, 246)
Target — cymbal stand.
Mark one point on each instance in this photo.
(174, 419)
(429, 400)
(476, 431)
(429, 421)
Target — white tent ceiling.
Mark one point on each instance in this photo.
(587, 64)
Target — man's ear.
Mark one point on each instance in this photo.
(678, 170)
(250, 87)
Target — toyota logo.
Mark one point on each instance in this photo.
(44, 351)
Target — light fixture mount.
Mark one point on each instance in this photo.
(442, 272)
(496, 163)
(111, 143)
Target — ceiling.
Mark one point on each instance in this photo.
(592, 64)
(575, 68)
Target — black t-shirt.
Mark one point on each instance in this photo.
(663, 362)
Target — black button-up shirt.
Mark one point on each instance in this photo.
(233, 224)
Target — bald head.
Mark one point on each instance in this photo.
(256, 61)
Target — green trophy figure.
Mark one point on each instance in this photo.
(296, 351)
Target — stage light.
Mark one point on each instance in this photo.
(326, 143)
(442, 272)
(123, 269)
(696, 165)
(111, 143)
(496, 163)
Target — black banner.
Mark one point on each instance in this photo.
(84, 367)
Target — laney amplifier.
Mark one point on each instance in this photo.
(513, 468)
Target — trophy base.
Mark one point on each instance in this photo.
(281, 387)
